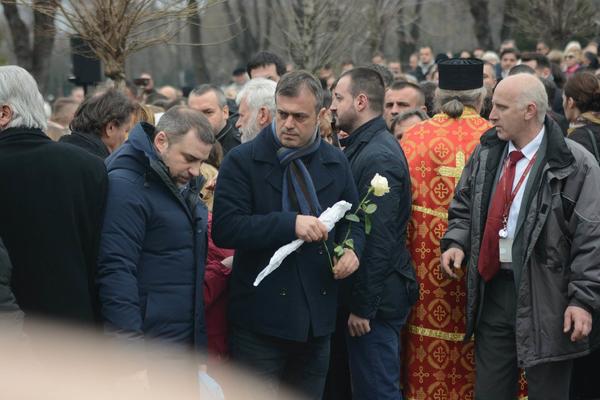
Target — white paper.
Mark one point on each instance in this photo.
(329, 218)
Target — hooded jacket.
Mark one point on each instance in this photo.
(153, 248)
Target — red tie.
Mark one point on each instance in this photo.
(489, 254)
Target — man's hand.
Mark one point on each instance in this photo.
(581, 321)
(358, 326)
(346, 265)
(310, 229)
(452, 259)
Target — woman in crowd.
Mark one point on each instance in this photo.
(581, 101)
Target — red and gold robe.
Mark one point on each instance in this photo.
(437, 364)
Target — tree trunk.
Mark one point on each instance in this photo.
(43, 41)
(198, 59)
(479, 11)
(20, 35)
(508, 20)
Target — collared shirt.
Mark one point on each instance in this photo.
(529, 152)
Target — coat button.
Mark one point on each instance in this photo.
(324, 292)
(283, 292)
(321, 250)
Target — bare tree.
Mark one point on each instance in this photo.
(380, 14)
(115, 29)
(33, 49)
(481, 18)
(508, 18)
(317, 32)
(556, 20)
(195, 22)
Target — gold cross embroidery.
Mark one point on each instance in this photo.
(455, 172)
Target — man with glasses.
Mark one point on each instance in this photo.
(270, 192)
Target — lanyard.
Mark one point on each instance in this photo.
(516, 190)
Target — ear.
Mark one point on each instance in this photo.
(263, 116)
(361, 102)
(570, 103)
(530, 111)
(6, 115)
(109, 129)
(321, 113)
(226, 111)
(161, 142)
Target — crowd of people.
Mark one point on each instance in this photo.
(149, 212)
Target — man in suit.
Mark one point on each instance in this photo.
(270, 192)
(526, 220)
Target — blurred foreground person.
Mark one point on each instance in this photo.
(153, 249)
(51, 207)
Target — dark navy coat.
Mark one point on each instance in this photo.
(153, 248)
(385, 285)
(298, 299)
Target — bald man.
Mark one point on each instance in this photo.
(533, 275)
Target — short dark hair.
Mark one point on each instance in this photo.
(370, 82)
(99, 110)
(510, 50)
(521, 69)
(179, 120)
(540, 59)
(264, 58)
(207, 88)
(399, 85)
(290, 84)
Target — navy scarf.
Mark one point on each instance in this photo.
(297, 183)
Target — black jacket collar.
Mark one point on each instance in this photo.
(22, 134)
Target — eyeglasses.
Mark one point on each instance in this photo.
(569, 56)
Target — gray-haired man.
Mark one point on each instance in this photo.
(256, 103)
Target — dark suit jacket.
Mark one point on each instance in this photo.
(300, 298)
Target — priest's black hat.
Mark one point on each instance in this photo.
(460, 74)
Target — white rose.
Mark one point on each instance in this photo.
(380, 185)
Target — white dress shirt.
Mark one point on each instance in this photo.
(529, 152)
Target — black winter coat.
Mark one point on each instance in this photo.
(51, 208)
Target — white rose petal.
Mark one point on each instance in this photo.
(380, 185)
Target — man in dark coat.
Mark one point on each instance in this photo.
(525, 220)
(384, 288)
(153, 248)
(270, 192)
(51, 207)
(211, 101)
(11, 315)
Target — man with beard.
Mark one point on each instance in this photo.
(153, 246)
(211, 101)
(379, 297)
(256, 102)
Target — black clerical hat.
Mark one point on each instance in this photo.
(460, 74)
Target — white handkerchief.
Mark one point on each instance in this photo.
(329, 218)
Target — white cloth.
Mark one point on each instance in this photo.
(328, 217)
(529, 151)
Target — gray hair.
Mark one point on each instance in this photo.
(290, 84)
(535, 93)
(20, 92)
(179, 120)
(258, 92)
(403, 116)
(453, 102)
(206, 88)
